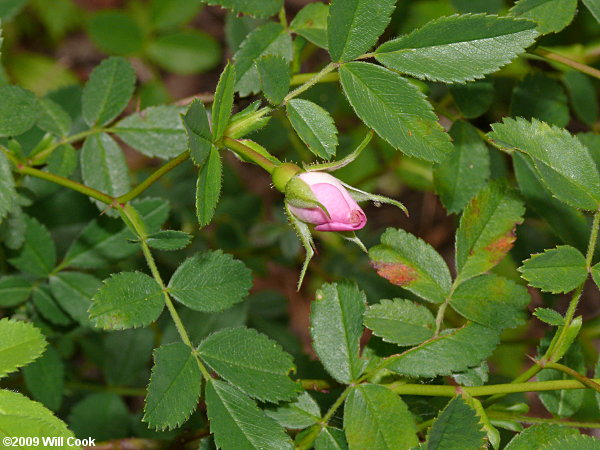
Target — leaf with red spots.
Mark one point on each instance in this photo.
(409, 262)
(487, 229)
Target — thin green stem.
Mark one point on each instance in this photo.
(336, 405)
(589, 258)
(550, 55)
(478, 391)
(243, 150)
(130, 217)
(41, 156)
(154, 176)
(497, 415)
(66, 182)
(573, 373)
(302, 78)
(439, 318)
(311, 82)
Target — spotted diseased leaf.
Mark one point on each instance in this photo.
(557, 270)
(492, 301)
(458, 48)
(252, 362)
(127, 300)
(174, 387)
(269, 39)
(237, 422)
(156, 131)
(401, 322)
(256, 8)
(454, 350)
(108, 91)
(38, 255)
(551, 16)
(487, 229)
(315, 127)
(20, 344)
(198, 132)
(353, 26)
(375, 417)
(210, 282)
(411, 263)
(571, 176)
(336, 328)
(456, 427)
(396, 110)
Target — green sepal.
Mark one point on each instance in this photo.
(362, 196)
(303, 233)
(299, 194)
(352, 237)
(247, 121)
(335, 165)
(561, 343)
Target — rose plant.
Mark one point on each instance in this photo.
(159, 314)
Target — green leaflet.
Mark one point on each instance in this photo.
(311, 23)
(252, 362)
(377, 418)
(167, 14)
(22, 417)
(210, 282)
(269, 39)
(18, 110)
(73, 292)
(563, 403)
(336, 328)
(208, 188)
(399, 321)
(571, 176)
(557, 270)
(573, 442)
(569, 224)
(53, 118)
(174, 387)
(542, 97)
(103, 167)
(185, 52)
(409, 262)
(594, 7)
(315, 127)
(538, 435)
(115, 32)
(48, 307)
(223, 102)
(198, 132)
(45, 379)
(331, 439)
(14, 289)
(301, 413)
(104, 239)
(237, 422)
(452, 351)
(492, 301)
(582, 93)
(396, 110)
(473, 99)
(461, 176)
(169, 240)
(108, 91)
(127, 355)
(257, 8)
(156, 131)
(101, 415)
(458, 48)
(274, 73)
(20, 344)
(596, 273)
(550, 15)
(487, 229)
(7, 188)
(38, 255)
(349, 32)
(455, 428)
(127, 300)
(549, 316)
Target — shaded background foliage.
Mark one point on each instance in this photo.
(96, 381)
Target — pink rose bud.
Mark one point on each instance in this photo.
(344, 212)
